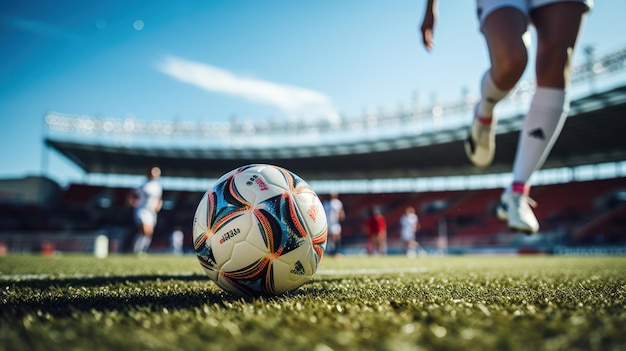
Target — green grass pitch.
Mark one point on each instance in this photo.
(72, 302)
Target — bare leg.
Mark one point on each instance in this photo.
(557, 26)
(504, 30)
(144, 238)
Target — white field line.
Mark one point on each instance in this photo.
(366, 271)
(31, 277)
(325, 272)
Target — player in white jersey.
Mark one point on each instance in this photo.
(147, 201)
(504, 24)
(335, 214)
(409, 225)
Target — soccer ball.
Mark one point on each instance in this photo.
(260, 231)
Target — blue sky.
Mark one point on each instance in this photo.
(211, 60)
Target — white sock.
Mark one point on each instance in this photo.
(142, 244)
(137, 245)
(146, 243)
(490, 95)
(542, 127)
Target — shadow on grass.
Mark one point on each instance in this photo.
(64, 297)
(91, 282)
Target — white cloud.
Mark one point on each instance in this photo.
(294, 101)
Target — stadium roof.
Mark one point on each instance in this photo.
(594, 133)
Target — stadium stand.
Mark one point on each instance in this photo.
(575, 213)
(591, 212)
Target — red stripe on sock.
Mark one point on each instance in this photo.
(521, 188)
(485, 120)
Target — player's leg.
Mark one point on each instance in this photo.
(377, 245)
(557, 27)
(144, 238)
(147, 222)
(148, 233)
(370, 245)
(140, 231)
(382, 244)
(336, 251)
(504, 30)
(411, 248)
(332, 244)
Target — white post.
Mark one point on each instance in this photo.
(442, 242)
(101, 246)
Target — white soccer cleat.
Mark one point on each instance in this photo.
(480, 145)
(515, 208)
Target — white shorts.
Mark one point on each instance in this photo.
(407, 236)
(334, 229)
(485, 7)
(143, 215)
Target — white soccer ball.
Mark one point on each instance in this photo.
(260, 231)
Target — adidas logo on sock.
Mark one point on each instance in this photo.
(537, 133)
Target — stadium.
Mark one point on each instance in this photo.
(68, 279)
(410, 158)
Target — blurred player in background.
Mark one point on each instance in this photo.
(147, 201)
(335, 214)
(375, 227)
(504, 24)
(409, 225)
(176, 240)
